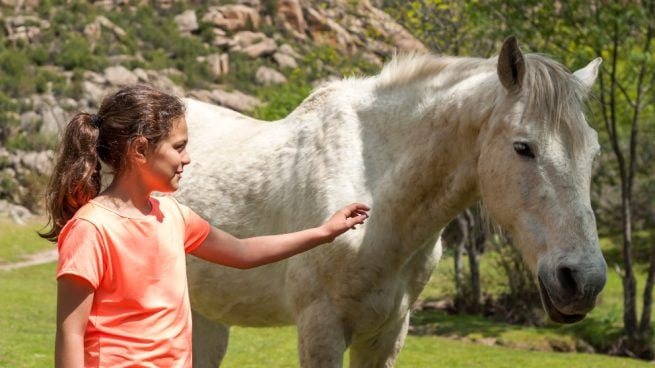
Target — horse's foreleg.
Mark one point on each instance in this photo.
(209, 342)
(380, 350)
(321, 338)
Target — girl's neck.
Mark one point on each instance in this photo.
(126, 198)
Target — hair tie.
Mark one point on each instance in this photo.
(95, 120)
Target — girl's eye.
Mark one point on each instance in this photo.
(523, 149)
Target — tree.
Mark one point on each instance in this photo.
(624, 96)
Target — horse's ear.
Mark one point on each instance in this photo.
(587, 75)
(511, 66)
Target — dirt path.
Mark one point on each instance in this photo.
(32, 260)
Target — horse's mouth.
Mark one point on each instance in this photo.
(552, 311)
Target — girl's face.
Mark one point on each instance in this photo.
(164, 164)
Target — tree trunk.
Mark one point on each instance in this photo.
(474, 246)
(459, 254)
(645, 328)
(629, 282)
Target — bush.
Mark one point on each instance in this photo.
(76, 53)
(282, 100)
(15, 72)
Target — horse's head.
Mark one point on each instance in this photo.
(534, 177)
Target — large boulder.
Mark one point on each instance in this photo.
(233, 17)
(187, 22)
(268, 76)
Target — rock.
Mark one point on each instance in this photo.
(94, 77)
(316, 21)
(236, 100)
(92, 92)
(124, 59)
(120, 76)
(219, 64)
(285, 60)
(244, 39)
(265, 48)
(163, 83)
(24, 27)
(116, 30)
(268, 76)
(141, 74)
(39, 161)
(187, 22)
(380, 48)
(19, 214)
(232, 17)
(30, 121)
(251, 3)
(54, 119)
(290, 11)
(93, 31)
(288, 50)
(20, 4)
(400, 37)
(201, 95)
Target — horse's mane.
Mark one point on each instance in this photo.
(555, 96)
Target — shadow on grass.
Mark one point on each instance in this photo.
(431, 322)
(593, 334)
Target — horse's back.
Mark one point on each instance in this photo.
(225, 149)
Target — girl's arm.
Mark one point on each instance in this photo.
(74, 299)
(223, 248)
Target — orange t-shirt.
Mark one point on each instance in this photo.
(140, 314)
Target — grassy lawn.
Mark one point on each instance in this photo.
(275, 347)
(28, 307)
(27, 311)
(17, 241)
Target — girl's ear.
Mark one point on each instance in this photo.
(138, 151)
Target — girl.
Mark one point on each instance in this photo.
(122, 296)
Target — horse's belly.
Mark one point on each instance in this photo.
(239, 297)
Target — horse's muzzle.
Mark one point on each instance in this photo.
(567, 293)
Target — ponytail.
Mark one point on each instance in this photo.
(76, 177)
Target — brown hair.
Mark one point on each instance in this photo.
(132, 112)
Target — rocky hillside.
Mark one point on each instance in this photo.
(260, 57)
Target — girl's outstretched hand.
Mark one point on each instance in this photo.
(346, 218)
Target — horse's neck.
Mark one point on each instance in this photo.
(426, 138)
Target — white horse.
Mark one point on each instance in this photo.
(419, 143)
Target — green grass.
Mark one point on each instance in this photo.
(276, 347)
(27, 325)
(27, 310)
(17, 241)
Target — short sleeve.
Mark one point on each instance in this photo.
(81, 252)
(196, 229)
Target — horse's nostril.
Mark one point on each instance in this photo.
(566, 277)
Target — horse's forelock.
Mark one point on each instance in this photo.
(556, 99)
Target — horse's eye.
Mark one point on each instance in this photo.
(523, 149)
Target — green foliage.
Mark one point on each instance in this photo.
(76, 53)
(30, 142)
(8, 185)
(15, 71)
(283, 99)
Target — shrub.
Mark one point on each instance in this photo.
(76, 53)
